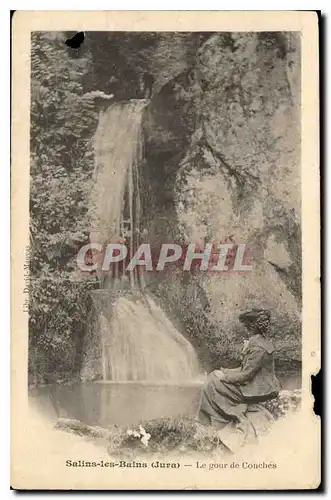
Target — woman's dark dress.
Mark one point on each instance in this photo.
(226, 401)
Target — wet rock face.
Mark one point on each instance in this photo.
(120, 58)
(232, 123)
(170, 119)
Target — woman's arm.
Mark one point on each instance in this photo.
(252, 364)
(232, 371)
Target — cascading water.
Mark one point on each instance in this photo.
(138, 341)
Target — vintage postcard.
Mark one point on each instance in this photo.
(165, 250)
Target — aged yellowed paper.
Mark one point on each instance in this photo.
(165, 243)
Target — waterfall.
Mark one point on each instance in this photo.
(137, 339)
(140, 343)
(118, 151)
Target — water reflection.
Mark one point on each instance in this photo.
(124, 403)
(116, 403)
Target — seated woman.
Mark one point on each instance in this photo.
(228, 394)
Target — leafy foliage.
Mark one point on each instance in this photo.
(62, 123)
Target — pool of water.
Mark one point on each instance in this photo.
(125, 403)
(115, 403)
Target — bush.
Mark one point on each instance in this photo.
(160, 436)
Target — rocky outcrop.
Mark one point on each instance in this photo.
(231, 134)
(222, 163)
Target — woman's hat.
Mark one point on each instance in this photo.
(255, 316)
